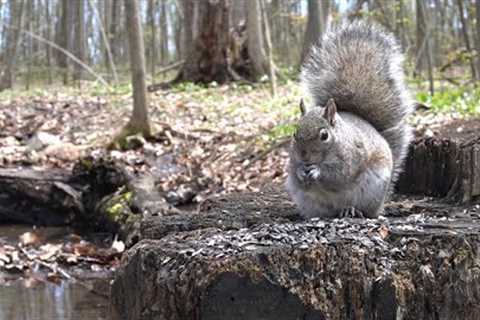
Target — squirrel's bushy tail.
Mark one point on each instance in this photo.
(360, 67)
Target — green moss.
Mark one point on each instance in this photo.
(117, 208)
(115, 211)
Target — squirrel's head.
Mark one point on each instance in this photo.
(314, 135)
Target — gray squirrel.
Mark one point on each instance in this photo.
(348, 150)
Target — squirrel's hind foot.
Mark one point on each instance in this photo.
(351, 212)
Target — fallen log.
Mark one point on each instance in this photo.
(28, 196)
(61, 197)
(403, 266)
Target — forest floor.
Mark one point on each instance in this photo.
(215, 139)
(208, 140)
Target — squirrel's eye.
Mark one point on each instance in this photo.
(323, 135)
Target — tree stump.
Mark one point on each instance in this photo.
(278, 266)
(447, 165)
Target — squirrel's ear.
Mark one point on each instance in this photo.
(330, 112)
(302, 108)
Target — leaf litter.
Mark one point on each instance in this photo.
(41, 258)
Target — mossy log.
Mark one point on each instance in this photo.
(274, 265)
(62, 197)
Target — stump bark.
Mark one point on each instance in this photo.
(443, 168)
(446, 165)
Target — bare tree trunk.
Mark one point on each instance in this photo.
(255, 41)
(464, 26)
(80, 38)
(421, 37)
(399, 23)
(188, 26)
(316, 24)
(207, 58)
(153, 39)
(477, 38)
(36, 24)
(90, 14)
(178, 32)
(113, 37)
(107, 13)
(139, 122)
(48, 36)
(106, 43)
(163, 33)
(29, 43)
(13, 39)
(268, 48)
(64, 39)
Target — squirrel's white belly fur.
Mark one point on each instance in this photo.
(318, 202)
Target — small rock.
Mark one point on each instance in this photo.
(41, 140)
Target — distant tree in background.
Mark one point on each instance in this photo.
(255, 39)
(13, 37)
(139, 121)
(79, 38)
(207, 56)
(316, 24)
(63, 38)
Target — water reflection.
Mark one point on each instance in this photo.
(66, 301)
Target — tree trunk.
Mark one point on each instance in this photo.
(29, 43)
(178, 33)
(255, 40)
(315, 26)
(477, 37)
(421, 38)
(268, 48)
(153, 36)
(13, 39)
(189, 22)
(107, 13)
(80, 38)
(113, 37)
(464, 26)
(400, 25)
(139, 122)
(163, 33)
(48, 37)
(64, 39)
(207, 60)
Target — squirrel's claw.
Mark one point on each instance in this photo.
(351, 212)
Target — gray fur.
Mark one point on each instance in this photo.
(359, 67)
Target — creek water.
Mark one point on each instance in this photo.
(28, 298)
(48, 301)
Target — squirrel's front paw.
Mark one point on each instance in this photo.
(308, 174)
